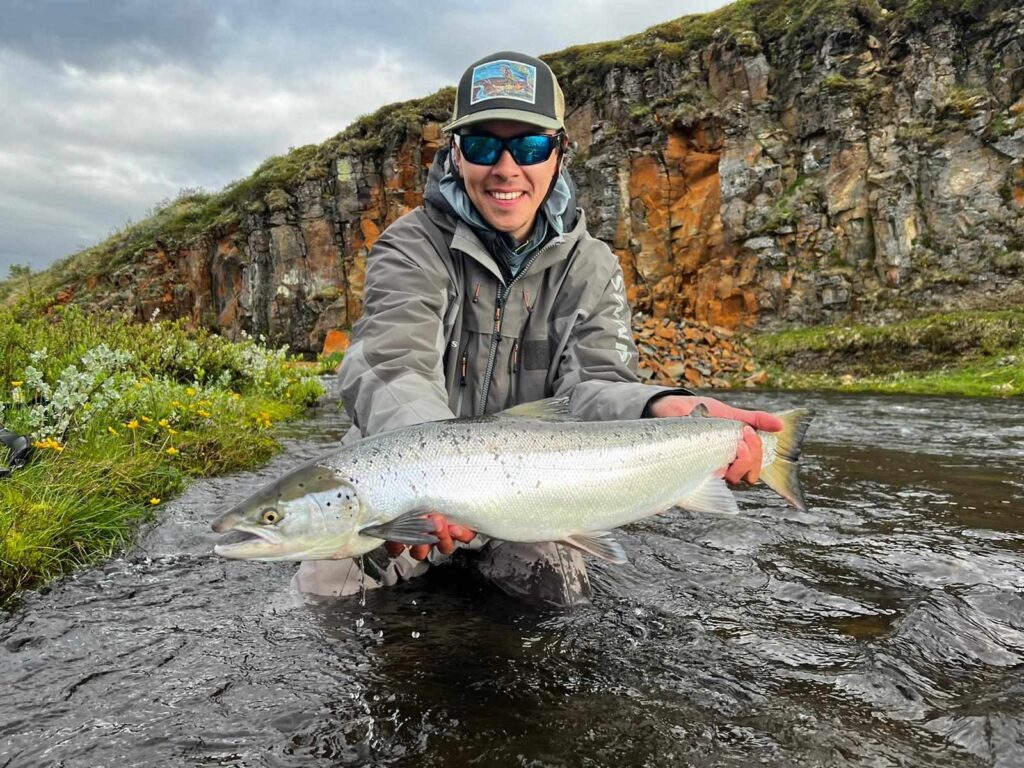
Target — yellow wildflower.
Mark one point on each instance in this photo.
(176, 404)
(204, 414)
(172, 451)
(146, 419)
(190, 391)
(171, 431)
(154, 501)
(164, 423)
(133, 424)
(48, 444)
(263, 419)
(17, 384)
(112, 431)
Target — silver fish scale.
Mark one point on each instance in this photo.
(531, 480)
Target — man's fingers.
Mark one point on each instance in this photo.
(757, 419)
(461, 533)
(753, 443)
(740, 466)
(446, 534)
(765, 421)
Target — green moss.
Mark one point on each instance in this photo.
(961, 353)
(963, 102)
(837, 82)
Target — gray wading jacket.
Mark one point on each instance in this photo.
(445, 332)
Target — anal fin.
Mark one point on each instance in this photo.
(712, 496)
(599, 544)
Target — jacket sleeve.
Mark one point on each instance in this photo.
(392, 374)
(598, 368)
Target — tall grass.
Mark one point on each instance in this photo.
(121, 416)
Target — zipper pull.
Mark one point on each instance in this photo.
(526, 302)
(497, 316)
(476, 294)
(464, 369)
(515, 356)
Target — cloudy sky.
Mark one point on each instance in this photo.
(111, 106)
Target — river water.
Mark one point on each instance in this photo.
(884, 627)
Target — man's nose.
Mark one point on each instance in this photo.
(506, 165)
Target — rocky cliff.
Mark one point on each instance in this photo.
(775, 163)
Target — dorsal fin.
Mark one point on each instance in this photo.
(549, 408)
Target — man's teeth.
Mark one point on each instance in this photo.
(505, 195)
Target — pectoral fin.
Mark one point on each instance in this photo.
(600, 544)
(713, 496)
(410, 528)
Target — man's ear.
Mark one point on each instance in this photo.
(456, 156)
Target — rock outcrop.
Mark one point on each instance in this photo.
(772, 164)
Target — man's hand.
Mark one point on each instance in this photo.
(747, 465)
(446, 534)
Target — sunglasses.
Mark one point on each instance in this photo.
(529, 149)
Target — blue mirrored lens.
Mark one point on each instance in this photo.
(481, 150)
(526, 150)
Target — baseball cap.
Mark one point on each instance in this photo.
(508, 86)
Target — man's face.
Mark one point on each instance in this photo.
(507, 195)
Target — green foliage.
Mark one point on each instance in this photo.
(961, 353)
(963, 102)
(121, 415)
(923, 13)
(748, 25)
(786, 209)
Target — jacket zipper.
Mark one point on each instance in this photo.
(496, 336)
(463, 373)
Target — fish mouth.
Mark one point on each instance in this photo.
(243, 540)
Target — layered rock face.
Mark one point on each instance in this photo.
(865, 171)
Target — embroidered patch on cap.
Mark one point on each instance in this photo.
(504, 79)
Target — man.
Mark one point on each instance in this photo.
(493, 294)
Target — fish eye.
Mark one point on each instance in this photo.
(269, 516)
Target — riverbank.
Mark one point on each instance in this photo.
(968, 353)
(120, 418)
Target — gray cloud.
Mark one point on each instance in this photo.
(117, 105)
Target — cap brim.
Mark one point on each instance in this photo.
(518, 115)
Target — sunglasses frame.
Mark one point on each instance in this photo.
(556, 142)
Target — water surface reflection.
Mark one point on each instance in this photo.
(882, 627)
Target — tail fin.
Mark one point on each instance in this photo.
(781, 474)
